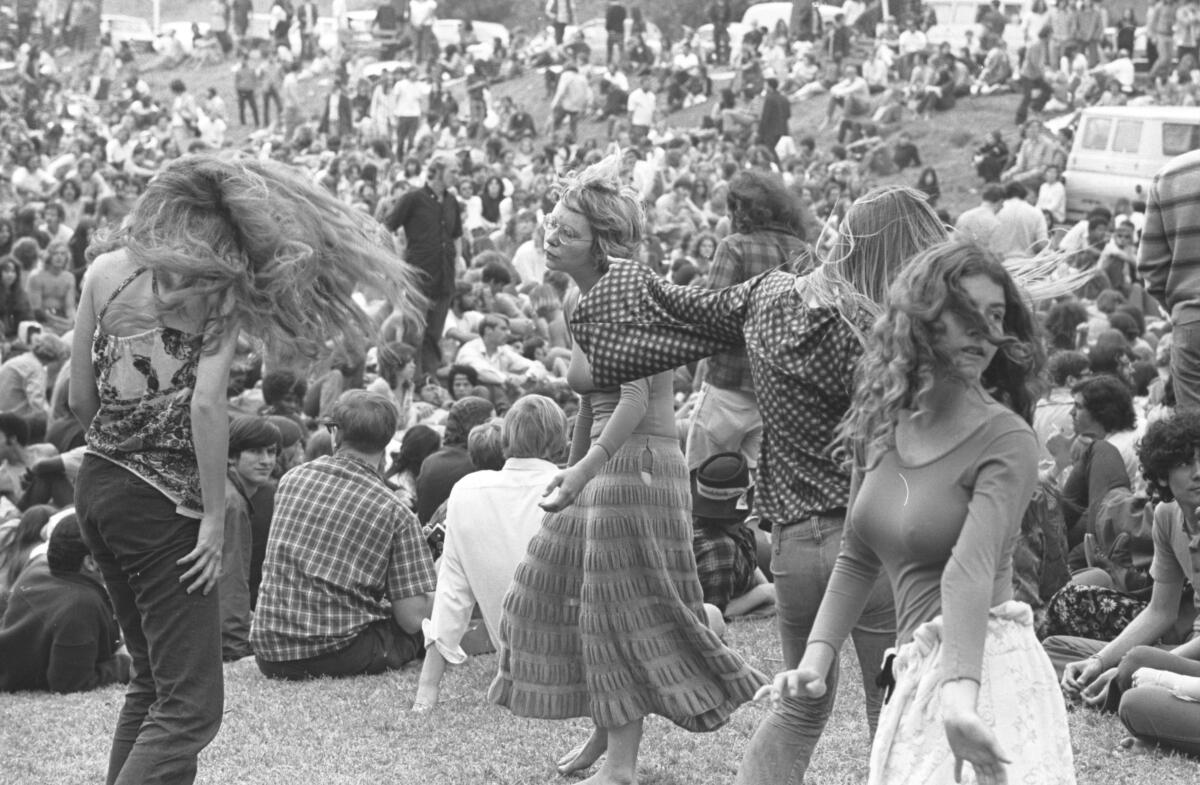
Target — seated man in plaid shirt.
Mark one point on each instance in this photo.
(347, 578)
(725, 548)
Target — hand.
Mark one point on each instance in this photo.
(1058, 444)
(802, 682)
(568, 483)
(427, 697)
(1078, 675)
(205, 558)
(971, 740)
(1095, 693)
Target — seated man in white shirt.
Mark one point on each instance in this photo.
(1119, 70)
(490, 518)
(496, 362)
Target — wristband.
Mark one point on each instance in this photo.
(1097, 658)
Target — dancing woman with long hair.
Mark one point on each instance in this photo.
(214, 247)
(802, 335)
(945, 463)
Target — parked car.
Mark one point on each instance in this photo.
(134, 29)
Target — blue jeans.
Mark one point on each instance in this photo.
(802, 561)
(176, 693)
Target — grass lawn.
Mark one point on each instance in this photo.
(361, 730)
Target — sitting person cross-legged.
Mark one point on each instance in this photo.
(1098, 672)
(347, 576)
(490, 518)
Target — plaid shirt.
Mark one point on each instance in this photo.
(726, 557)
(739, 258)
(632, 325)
(341, 547)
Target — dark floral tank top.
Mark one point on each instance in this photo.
(144, 424)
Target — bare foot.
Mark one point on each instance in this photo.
(605, 777)
(1131, 745)
(585, 755)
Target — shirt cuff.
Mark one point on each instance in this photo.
(453, 655)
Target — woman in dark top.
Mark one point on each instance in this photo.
(215, 247)
(14, 305)
(1103, 407)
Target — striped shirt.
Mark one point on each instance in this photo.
(1169, 257)
(341, 548)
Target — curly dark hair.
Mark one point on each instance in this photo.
(1166, 444)
(1109, 402)
(758, 200)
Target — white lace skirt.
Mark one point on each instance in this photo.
(1019, 698)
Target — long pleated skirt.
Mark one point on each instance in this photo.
(1019, 699)
(604, 618)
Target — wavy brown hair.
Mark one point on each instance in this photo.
(902, 355)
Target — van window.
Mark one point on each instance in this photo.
(1095, 133)
(1128, 138)
(1180, 138)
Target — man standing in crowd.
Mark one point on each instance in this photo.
(406, 107)
(561, 13)
(776, 111)
(571, 98)
(642, 107)
(347, 577)
(614, 26)
(720, 15)
(1160, 30)
(1089, 30)
(432, 222)
(1169, 263)
(767, 233)
(59, 633)
(421, 15)
(1033, 75)
(241, 10)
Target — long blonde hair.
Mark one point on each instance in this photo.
(263, 249)
(882, 230)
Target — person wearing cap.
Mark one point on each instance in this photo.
(253, 446)
(347, 577)
(23, 378)
(726, 550)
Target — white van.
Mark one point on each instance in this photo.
(1118, 150)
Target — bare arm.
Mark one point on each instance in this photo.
(82, 397)
(210, 438)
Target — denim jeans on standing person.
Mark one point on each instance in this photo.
(802, 559)
(176, 694)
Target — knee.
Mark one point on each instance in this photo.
(1140, 707)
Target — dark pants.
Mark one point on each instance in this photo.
(382, 646)
(1029, 100)
(406, 132)
(431, 344)
(270, 95)
(615, 41)
(176, 694)
(246, 98)
(560, 29)
(1154, 714)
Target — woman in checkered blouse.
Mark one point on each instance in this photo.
(613, 559)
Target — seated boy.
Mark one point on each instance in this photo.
(725, 548)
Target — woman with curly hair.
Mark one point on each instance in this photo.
(802, 335)
(605, 617)
(214, 248)
(945, 462)
(1157, 683)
